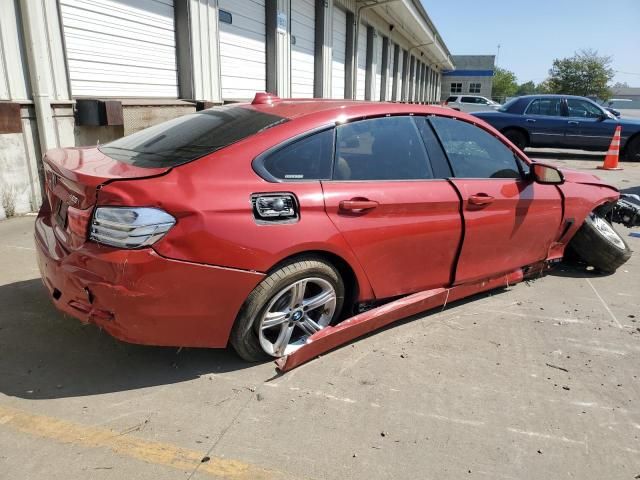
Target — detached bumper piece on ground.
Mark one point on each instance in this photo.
(376, 318)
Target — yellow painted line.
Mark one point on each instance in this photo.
(128, 446)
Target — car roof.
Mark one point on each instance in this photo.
(551, 95)
(327, 108)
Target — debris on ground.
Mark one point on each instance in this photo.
(556, 367)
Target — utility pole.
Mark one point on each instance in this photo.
(498, 55)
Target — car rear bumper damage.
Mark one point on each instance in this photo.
(139, 296)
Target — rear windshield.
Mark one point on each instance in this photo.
(508, 105)
(189, 137)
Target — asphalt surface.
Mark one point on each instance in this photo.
(539, 380)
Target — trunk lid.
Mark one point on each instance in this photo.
(72, 179)
(73, 175)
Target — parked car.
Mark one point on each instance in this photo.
(563, 121)
(470, 103)
(259, 224)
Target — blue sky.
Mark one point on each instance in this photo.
(533, 33)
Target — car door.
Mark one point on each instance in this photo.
(509, 220)
(543, 119)
(469, 104)
(390, 200)
(588, 126)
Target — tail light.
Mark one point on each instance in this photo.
(130, 227)
(446, 102)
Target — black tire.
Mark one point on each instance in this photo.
(598, 250)
(517, 137)
(632, 150)
(244, 334)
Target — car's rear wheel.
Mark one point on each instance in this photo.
(517, 137)
(286, 308)
(632, 150)
(599, 245)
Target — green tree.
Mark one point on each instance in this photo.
(585, 74)
(504, 84)
(527, 88)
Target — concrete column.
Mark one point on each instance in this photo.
(322, 49)
(412, 76)
(405, 77)
(198, 50)
(395, 77)
(350, 57)
(278, 45)
(385, 69)
(368, 79)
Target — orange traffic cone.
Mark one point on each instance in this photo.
(611, 159)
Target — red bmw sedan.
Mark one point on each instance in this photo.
(262, 224)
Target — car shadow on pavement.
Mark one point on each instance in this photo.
(44, 354)
(570, 268)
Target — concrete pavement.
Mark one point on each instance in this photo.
(536, 381)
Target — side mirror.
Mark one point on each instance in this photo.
(546, 174)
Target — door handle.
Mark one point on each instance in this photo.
(480, 199)
(358, 205)
(572, 122)
(531, 120)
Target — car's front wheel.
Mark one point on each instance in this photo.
(286, 308)
(517, 137)
(599, 245)
(632, 150)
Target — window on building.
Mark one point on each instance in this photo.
(388, 148)
(473, 152)
(474, 88)
(305, 159)
(456, 88)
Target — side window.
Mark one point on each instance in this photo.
(387, 148)
(544, 106)
(306, 159)
(474, 153)
(581, 108)
(468, 99)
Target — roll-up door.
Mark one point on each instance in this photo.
(120, 48)
(302, 48)
(338, 53)
(392, 49)
(361, 73)
(378, 68)
(242, 48)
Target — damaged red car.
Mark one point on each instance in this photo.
(274, 224)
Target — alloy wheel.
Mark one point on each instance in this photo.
(607, 230)
(294, 314)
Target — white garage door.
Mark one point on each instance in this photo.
(338, 53)
(392, 48)
(302, 47)
(377, 89)
(242, 48)
(400, 75)
(120, 48)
